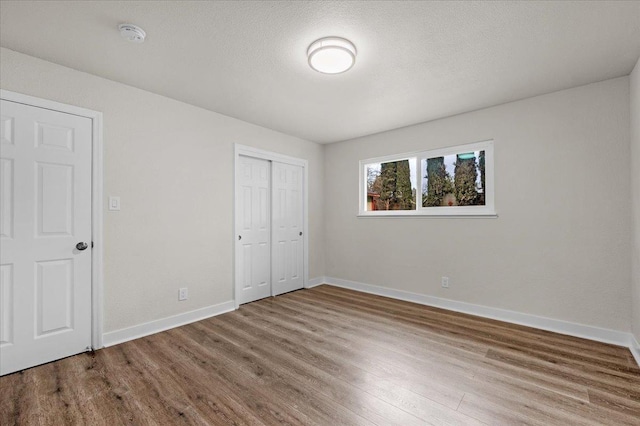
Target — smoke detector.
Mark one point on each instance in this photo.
(131, 32)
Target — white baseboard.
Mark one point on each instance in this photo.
(634, 347)
(558, 326)
(315, 282)
(152, 327)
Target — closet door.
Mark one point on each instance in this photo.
(253, 225)
(287, 223)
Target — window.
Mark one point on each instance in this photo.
(455, 181)
(391, 185)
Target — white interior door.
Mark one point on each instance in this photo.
(253, 226)
(287, 247)
(45, 213)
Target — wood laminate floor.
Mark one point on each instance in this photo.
(329, 356)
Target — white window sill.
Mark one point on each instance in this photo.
(435, 216)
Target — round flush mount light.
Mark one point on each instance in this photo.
(131, 32)
(331, 55)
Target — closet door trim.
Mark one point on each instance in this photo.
(248, 151)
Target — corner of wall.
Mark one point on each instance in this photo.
(634, 105)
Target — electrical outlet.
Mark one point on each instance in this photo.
(183, 294)
(445, 282)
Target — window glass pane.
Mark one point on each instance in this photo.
(391, 185)
(454, 180)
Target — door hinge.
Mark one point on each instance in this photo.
(91, 244)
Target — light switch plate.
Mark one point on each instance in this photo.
(114, 203)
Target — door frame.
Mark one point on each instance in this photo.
(97, 179)
(248, 151)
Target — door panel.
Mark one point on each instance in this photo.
(54, 200)
(296, 249)
(54, 296)
(288, 247)
(6, 195)
(6, 309)
(253, 253)
(45, 210)
(54, 136)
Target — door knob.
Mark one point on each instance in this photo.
(81, 246)
(301, 233)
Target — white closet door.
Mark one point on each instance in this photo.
(288, 211)
(253, 225)
(45, 223)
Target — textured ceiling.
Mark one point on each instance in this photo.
(417, 61)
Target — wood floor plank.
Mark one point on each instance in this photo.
(423, 376)
(502, 341)
(340, 391)
(615, 403)
(496, 387)
(405, 399)
(315, 405)
(533, 336)
(334, 356)
(359, 380)
(209, 400)
(471, 363)
(493, 332)
(267, 407)
(619, 385)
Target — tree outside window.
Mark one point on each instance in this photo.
(452, 181)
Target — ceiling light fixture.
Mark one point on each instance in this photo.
(131, 32)
(331, 55)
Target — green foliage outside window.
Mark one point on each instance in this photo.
(439, 183)
(393, 185)
(453, 180)
(465, 178)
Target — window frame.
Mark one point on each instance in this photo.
(488, 210)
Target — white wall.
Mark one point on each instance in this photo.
(635, 191)
(560, 247)
(172, 164)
